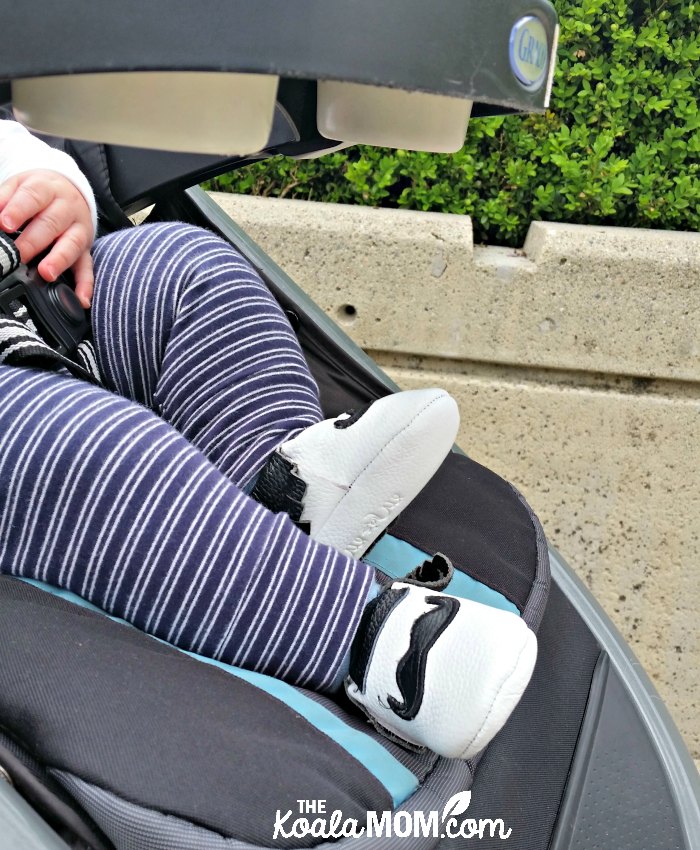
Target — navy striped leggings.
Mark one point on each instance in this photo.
(134, 499)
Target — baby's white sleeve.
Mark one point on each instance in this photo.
(20, 151)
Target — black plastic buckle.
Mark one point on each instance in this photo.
(54, 308)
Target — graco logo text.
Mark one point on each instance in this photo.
(529, 53)
(312, 820)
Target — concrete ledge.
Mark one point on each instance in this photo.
(606, 300)
(576, 365)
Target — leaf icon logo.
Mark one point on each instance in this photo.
(457, 805)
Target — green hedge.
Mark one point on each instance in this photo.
(620, 144)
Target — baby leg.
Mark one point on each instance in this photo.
(100, 496)
(184, 325)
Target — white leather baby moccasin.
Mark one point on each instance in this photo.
(439, 672)
(345, 479)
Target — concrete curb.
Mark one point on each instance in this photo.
(576, 365)
(597, 299)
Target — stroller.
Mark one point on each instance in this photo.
(133, 744)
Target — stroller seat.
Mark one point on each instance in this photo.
(156, 747)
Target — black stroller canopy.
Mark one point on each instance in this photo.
(445, 47)
(214, 85)
(203, 78)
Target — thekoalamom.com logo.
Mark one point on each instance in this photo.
(399, 824)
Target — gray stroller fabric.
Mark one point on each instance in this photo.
(133, 827)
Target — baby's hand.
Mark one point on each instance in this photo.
(58, 215)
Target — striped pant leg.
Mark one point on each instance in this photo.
(184, 325)
(102, 497)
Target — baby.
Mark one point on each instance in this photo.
(200, 494)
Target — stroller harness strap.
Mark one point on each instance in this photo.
(21, 345)
(9, 255)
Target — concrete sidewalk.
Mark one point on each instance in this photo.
(576, 364)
